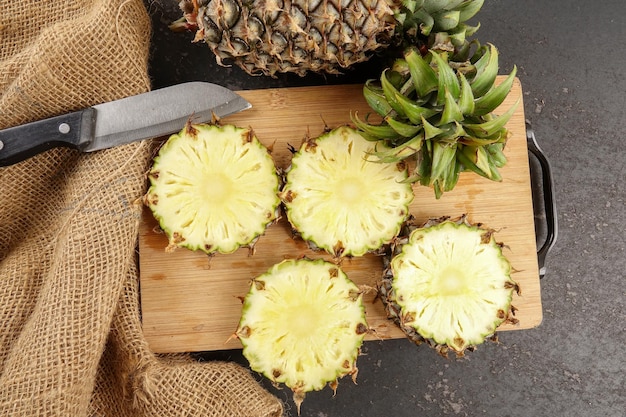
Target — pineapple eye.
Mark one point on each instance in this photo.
(240, 47)
(273, 8)
(230, 13)
(347, 33)
(256, 28)
(316, 36)
(313, 4)
(335, 33)
(355, 15)
(298, 54)
(332, 50)
(279, 43)
(297, 18)
(211, 31)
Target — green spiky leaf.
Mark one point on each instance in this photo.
(495, 96)
(423, 76)
(375, 98)
(451, 111)
(447, 79)
(380, 131)
(486, 72)
(391, 94)
(493, 126)
(403, 129)
(466, 98)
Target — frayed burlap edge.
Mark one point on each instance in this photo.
(71, 341)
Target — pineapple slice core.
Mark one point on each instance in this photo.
(453, 284)
(302, 325)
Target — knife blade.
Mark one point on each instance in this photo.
(153, 114)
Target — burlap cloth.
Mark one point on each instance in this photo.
(71, 342)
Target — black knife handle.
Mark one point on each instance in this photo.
(21, 142)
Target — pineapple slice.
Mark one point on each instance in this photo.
(213, 188)
(448, 283)
(340, 201)
(302, 324)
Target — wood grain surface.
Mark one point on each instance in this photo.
(191, 302)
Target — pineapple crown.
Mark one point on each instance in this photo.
(439, 112)
(436, 24)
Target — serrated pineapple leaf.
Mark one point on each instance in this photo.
(413, 111)
(469, 9)
(395, 78)
(400, 152)
(457, 37)
(446, 20)
(447, 79)
(466, 98)
(482, 159)
(474, 141)
(495, 96)
(468, 164)
(406, 130)
(380, 131)
(486, 72)
(430, 131)
(451, 111)
(495, 174)
(480, 58)
(471, 30)
(459, 131)
(422, 20)
(496, 154)
(423, 76)
(493, 126)
(424, 164)
(391, 94)
(451, 177)
(437, 189)
(375, 98)
(443, 155)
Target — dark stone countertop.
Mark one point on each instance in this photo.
(571, 61)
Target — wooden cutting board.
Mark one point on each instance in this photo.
(190, 302)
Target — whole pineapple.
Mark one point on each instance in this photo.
(273, 36)
(447, 283)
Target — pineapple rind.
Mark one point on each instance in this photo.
(213, 188)
(270, 36)
(340, 200)
(450, 285)
(302, 324)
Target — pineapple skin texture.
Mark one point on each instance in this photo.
(276, 36)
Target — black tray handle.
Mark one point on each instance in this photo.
(548, 200)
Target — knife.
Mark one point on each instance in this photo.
(153, 114)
